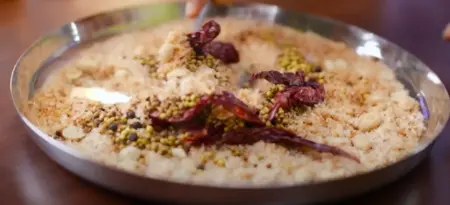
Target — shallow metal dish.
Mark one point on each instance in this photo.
(417, 77)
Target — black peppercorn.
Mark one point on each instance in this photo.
(317, 69)
(131, 114)
(201, 167)
(136, 125)
(112, 127)
(132, 137)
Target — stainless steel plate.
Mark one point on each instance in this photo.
(417, 77)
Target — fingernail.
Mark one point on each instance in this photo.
(189, 9)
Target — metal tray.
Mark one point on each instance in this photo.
(417, 77)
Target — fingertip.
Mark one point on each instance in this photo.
(193, 8)
(189, 9)
(446, 33)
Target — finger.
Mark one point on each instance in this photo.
(193, 7)
(446, 33)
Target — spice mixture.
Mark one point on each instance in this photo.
(237, 103)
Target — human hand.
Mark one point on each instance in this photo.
(193, 7)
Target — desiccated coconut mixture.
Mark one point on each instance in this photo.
(237, 103)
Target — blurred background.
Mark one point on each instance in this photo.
(406, 22)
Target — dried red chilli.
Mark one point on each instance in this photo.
(232, 104)
(267, 134)
(209, 31)
(275, 77)
(297, 96)
(298, 92)
(203, 133)
(190, 117)
(202, 43)
(187, 115)
(223, 51)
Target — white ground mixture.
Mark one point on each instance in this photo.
(366, 111)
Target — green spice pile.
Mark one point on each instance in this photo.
(150, 62)
(292, 60)
(273, 90)
(175, 107)
(128, 129)
(282, 119)
(229, 123)
(194, 61)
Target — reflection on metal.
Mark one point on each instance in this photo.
(434, 78)
(268, 13)
(370, 46)
(75, 33)
(99, 95)
(368, 36)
